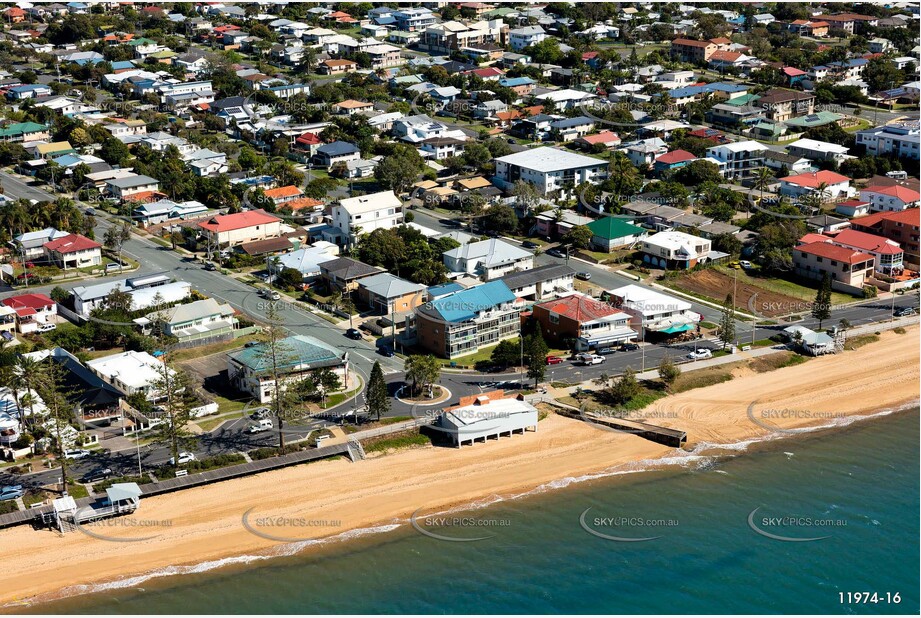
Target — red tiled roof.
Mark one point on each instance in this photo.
(912, 216)
(675, 156)
(589, 55)
(309, 139)
(853, 203)
(238, 221)
(29, 301)
(792, 72)
(867, 242)
(721, 40)
(145, 196)
(812, 237)
(898, 191)
(691, 43)
(814, 179)
(287, 191)
(487, 72)
(726, 56)
(601, 138)
(579, 308)
(834, 252)
(71, 244)
(303, 202)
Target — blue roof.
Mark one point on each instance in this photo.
(511, 82)
(464, 305)
(122, 64)
(445, 288)
(692, 91)
(66, 160)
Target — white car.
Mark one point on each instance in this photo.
(44, 328)
(78, 453)
(184, 458)
(591, 359)
(700, 354)
(745, 264)
(261, 425)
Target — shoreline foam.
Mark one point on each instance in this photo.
(510, 456)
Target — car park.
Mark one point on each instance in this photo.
(554, 360)
(78, 453)
(700, 354)
(184, 458)
(584, 276)
(353, 333)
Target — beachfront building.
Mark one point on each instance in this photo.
(581, 322)
(892, 198)
(653, 313)
(850, 270)
(491, 415)
(462, 322)
(250, 369)
(133, 373)
(901, 227)
(672, 250)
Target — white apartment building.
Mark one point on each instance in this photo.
(366, 213)
(738, 159)
(549, 169)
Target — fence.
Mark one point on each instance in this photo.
(389, 429)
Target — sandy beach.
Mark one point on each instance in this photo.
(206, 524)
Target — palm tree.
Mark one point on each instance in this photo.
(29, 380)
(762, 180)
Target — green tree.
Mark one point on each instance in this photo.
(506, 354)
(668, 372)
(400, 169)
(821, 308)
(173, 389)
(376, 392)
(116, 237)
(537, 357)
(579, 237)
(626, 388)
(501, 219)
(728, 322)
(422, 370)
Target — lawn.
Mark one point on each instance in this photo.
(784, 286)
(214, 348)
(485, 354)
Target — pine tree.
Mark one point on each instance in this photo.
(537, 357)
(626, 388)
(173, 389)
(376, 392)
(728, 322)
(821, 308)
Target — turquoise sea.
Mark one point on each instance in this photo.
(857, 486)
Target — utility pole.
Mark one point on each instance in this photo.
(521, 346)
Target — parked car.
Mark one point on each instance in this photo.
(554, 360)
(96, 476)
(902, 312)
(111, 266)
(629, 347)
(353, 333)
(745, 264)
(555, 253)
(269, 294)
(90, 212)
(529, 244)
(264, 424)
(386, 351)
(250, 344)
(584, 276)
(604, 351)
(210, 266)
(260, 414)
(12, 492)
(700, 354)
(44, 328)
(78, 453)
(590, 359)
(184, 458)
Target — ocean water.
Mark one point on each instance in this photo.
(857, 487)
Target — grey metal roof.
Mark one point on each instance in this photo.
(518, 280)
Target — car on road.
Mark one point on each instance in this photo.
(353, 333)
(902, 312)
(584, 276)
(590, 359)
(269, 294)
(554, 360)
(78, 453)
(530, 244)
(210, 266)
(90, 212)
(604, 351)
(386, 351)
(96, 476)
(12, 492)
(184, 458)
(629, 347)
(700, 354)
(264, 424)
(745, 264)
(555, 253)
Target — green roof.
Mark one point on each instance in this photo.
(740, 100)
(813, 120)
(21, 128)
(612, 227)
(298, 351)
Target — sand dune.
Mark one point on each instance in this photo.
(331, 497)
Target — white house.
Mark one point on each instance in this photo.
(675, 250)
(479, 418)
(738, 159)
(818, 150)
(519, 38)
(133, 372)
(654, 312)
(382, 210)
(894, 198)
(835, 185)
(549, 169)
(489, 259)
(123, 188)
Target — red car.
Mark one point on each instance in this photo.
(554, 360)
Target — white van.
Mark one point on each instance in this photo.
(44, 328)
(261, 425)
